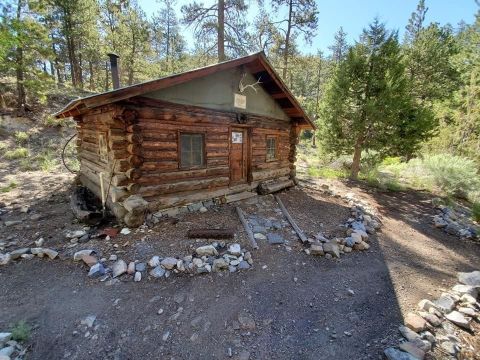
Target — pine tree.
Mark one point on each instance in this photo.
(339, 48)
(367, 101)
(220, 26)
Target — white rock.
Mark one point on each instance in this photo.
(113, 257)
(203, 209)
(119, 268)
(425, 305)
(78, 255)
(39, 242)
(471, 278)
(235, 249)
(37, 251)
(468, 299)
(125, 231)
(131, 268)
(52, 254)
(458, 319)
(169, 263)
(89, 321)
(5, 259)
(259, 236)
(7, 351)
(154, 261)
(466, 289)
(4, 337)
(207, 250)
(75, 234)
(138, 276)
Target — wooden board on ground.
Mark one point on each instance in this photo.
(299, 232)
(247, 228)
(211, 233)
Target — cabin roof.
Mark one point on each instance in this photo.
(256, 63)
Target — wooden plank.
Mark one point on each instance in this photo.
(299, 232)
(246, 227)
(211, 233)
(271, 187)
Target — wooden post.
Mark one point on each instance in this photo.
(247, 228)
(299, 232)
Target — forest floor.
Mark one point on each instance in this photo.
(302, 306)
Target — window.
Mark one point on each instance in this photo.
(192, 150)
(271, 148)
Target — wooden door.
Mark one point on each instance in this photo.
(238, 155)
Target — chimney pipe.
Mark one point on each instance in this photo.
(114, 70)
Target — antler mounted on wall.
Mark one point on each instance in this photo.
(242, 87)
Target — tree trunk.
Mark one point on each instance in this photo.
(21, 96)
(287, 40)
(92, 82)
(314, 139)
(357, 155)
(221, 31)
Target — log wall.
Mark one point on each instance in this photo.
(143, 158)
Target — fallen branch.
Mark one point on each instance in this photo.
(299, 232)
(247, 228)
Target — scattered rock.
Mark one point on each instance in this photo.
(415, 322)
(119, 268)
(15, 254)
(259, 236)
(5, 259)
(445, 303)
(458, 319)
(332, 249)
(244, 355)
(235, 249)
(425, 305)
(410, 348)
(157, 272)
(459, 288)
(96, 271)
(125, 231)
(317, 249)
(471, 278)
(207, 250)
(52, 254)
(138, 276)
(431, 318)
(113, 257)
(395, 354)
(141, 267)
(78, 255)
(39, 242)
(168, 263)
(243, 265)
(89, 260)
(89, 321)
(407, 333)
(220, 264)
(131, 268)
(275, 239)
(4, 338)
(154, 261)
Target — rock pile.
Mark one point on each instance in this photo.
(439, 323)
(209, 258)
(10, 349)
(453, 222)
(359, 226)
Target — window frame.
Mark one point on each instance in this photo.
(275, 138)
(204, 150)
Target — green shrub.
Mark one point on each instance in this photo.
(3, 147)
(391, 161)
(327, 173)
(9, 187)
(455, 175)
(21, 331)
(18, 153)
(476, 211)
(21, 137)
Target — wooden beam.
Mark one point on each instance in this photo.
(246, 227)
(299, 232)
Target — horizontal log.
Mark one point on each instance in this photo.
(274, 186)
(270, 174)
(159, 165)
(211, 233)
(182, 186)
(161, 177)
(133, 174)
(160, 145)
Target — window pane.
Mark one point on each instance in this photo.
(191, 147)
(271, 148)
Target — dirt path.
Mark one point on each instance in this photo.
(300, 304)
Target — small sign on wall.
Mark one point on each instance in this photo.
(237, 137)
(240, 101)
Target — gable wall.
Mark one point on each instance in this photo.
(217, 92)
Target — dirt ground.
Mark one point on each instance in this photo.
(300, 304)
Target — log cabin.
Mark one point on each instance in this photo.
(215, 134)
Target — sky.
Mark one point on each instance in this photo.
(354, 15)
